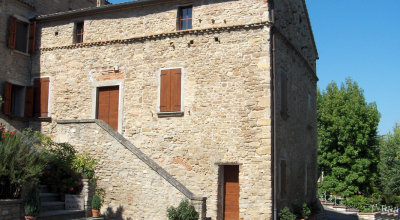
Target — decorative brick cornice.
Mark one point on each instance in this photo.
(158, 36)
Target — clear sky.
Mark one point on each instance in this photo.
(360, 39)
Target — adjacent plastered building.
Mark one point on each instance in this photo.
(214, 101)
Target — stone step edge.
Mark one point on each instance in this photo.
(60, 212)
(52, 203)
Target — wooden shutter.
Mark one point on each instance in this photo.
(29, 91)
(165, 91)
(107, 105)
(32, 27)
(170, 91)
(283, 179)
(41, 97)
(232, 192)
(12, 32)
(7, 98)
(176, 90)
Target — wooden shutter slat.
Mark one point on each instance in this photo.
(7, 98)
(32, 27)
(176, 89)
(29, 91)
(231, 194)
(12, 32)
(165, 91)
(36, 97)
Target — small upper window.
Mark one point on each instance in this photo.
(185, 18)
(21, 35)
(79, 33)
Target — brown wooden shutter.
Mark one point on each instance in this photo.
(232, 192)
(29, 101)
(107, 106)
(41, 97)
(7, 98)
(165, 91)
(32, 27)
(283, 179)
(12, 32)
(176, 90)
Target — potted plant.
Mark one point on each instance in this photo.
(285, 214)
(33, 204)
(302, 212)
(313, 205)
(96, 204)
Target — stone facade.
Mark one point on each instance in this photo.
(12, 209)
(230, 99)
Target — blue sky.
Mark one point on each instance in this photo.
(360, 39)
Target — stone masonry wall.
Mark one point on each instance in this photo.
(296, 139)
(11, 209)
(133, 189)
(226, 96)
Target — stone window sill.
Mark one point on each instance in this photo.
(23, 53)
(170, 114)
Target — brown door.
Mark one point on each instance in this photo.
(231, 194)
(107, 105)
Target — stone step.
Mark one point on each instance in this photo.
(44, 188)
(52, 206)
(89, 218)
(50, 197)
(61, 215)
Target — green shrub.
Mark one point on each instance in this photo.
(96, 202)
(302, 211)
(183, 212)
(84, 163)
(33, 202)
(21, 159)
(285, 214)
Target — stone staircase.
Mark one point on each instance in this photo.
(54, 209)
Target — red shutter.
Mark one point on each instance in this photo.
(12, 30)
(176, 89)
(41, 97)
(7, 98)
(29, 101)
(165, 91)
(31, 46)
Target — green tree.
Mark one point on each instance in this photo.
(389, 167)
(347, 143)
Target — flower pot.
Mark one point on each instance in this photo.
(312, 217)
(300, 219)
(30, 217)
(95, 213)
(54, 189)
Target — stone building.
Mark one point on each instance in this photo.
(214, 101)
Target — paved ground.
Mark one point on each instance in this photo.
(340, 216)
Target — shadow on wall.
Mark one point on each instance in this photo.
(117, 214)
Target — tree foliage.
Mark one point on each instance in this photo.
(389, 167)
(347, 143)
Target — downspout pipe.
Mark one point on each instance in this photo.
(273, 130)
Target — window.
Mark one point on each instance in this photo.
(170, 90)
(79, 33)
(185, 17)
(282, 186)
(284, 101)
(27, 101)
(21, 35)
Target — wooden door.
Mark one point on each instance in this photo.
(107, 105)
(231, 192)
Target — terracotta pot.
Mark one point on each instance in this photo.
(54, 189)
(312, 217)
(30, 217)
(300, 219)
(95, 213)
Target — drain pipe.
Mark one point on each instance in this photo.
(273, 67)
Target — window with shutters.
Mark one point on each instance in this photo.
(282, 179)
(27, 101)
(185, 17)
(79, 31)
(170, 91)
(21, 35)
(284, 94)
